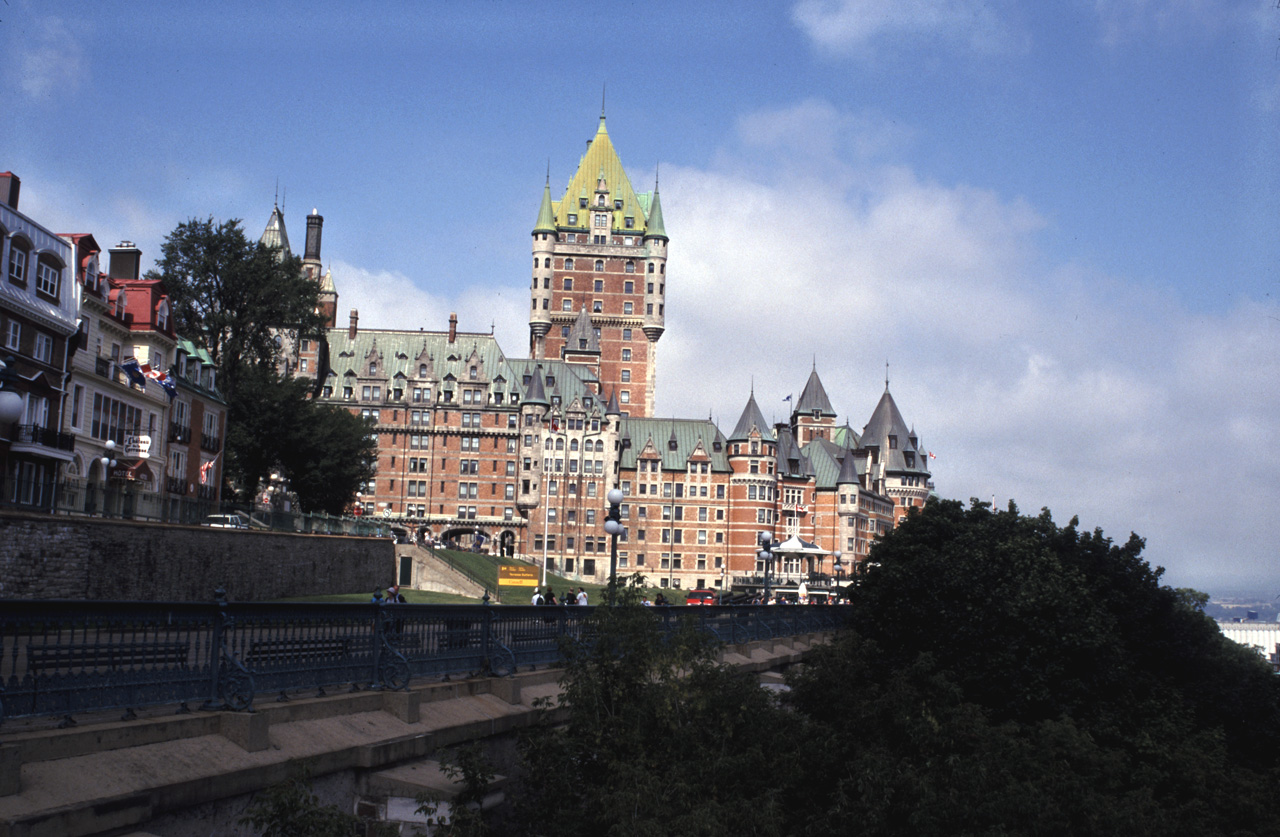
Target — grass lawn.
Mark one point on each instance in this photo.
(485, 569)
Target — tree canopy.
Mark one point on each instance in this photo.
(1000, 675)
(245, 302)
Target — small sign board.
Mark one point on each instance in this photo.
(513, 575)
(137, 446)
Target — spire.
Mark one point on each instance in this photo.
(546, 215)
(613, 409)
(537, 394)
(814, 397)
(275, 235)
(654, 228)
(848, 470)
(751, 417)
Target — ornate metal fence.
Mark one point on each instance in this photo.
(62, 657)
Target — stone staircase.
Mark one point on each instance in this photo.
(430, 572)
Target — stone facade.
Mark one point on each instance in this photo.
(99, 560)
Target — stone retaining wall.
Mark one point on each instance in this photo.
(52, 557)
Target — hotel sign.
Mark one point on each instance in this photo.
(512, 575)
(137, 447)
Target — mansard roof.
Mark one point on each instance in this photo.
(571, 381)
(402, 351)
(600, 159)
(886, 422)
(814, 397)
(275, 234)
(687, 434)
(751, 417)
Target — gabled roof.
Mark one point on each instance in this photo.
(751, 417)
(275, 234)
(814, 397)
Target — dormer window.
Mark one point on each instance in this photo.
(422, 370)
(373, 368)
(629, 222)
(551, 380)
(893, 443)
(599, 200)
(617, 204)
(472, 372)
(672, 444)
(573, 217)
(582, 203)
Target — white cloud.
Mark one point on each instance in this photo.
(50, 61)
(1123, 20)
(848, 26)
(1056, 387)
(391, 300)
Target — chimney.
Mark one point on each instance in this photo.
(9, 186)
(126, 261)
(315, 221)
(351, 329)
(453, 327)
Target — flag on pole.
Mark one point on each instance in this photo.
(135, 373)
(788, 398)
(205, 468)
(161, 377)
(932, 455)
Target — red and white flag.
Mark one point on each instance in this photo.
(205, 468)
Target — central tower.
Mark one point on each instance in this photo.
(602, 249)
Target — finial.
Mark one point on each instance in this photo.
(603, 89)
(886, 375)
(276, 201)
(548, 171)
(657, 171)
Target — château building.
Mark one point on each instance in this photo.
(523, 450)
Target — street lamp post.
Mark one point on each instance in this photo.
(613, 527)
(107, 462)
(837, 568)
(767, 545)
(10, 401)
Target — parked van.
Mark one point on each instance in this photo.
(701, 597)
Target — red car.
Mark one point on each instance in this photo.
(701, 597)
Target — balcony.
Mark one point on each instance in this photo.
(210, 443)
(34, 434)
(102, 366)
(179, 433)
(207, 492)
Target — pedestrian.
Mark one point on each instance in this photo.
(537, 597)
(645, 601)
(551, 598)
(582, 596)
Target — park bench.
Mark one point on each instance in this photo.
(294, 650)
(110, 656)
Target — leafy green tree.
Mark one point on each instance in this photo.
(243, 301)
(291, 809)
(1010, 676)
(234, 296)
(660, 739)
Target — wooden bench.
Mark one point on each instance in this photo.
(109, 656)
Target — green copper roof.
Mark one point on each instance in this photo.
(655, 228)
(546, 215)
(601, 159)
(687, 434)
(275, 234)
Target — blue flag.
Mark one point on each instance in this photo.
(788, 398)
(131, 368)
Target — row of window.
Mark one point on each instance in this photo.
(48, 268)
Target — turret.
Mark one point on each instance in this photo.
(544, 243)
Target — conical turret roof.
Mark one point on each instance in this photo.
(888, 431)
(537, 394)
(275, 234)
(602, 161)
(848, 470)
(814, 397)
(751, 417)
(546, 215)
(655, 228)
(613, 409)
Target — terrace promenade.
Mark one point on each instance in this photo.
(361, 696)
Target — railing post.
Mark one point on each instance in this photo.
(375, 682)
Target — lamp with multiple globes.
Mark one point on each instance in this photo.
(10, 401)
(613, 527)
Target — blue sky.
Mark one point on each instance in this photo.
(1057, 221)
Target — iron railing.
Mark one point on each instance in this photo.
(64, 657)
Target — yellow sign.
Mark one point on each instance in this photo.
(517, 575)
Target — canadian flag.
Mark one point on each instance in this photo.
(932, 455)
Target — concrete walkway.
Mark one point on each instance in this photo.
(107, 778)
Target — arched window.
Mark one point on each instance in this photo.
(547, 261)
(568, 264)
(559, 444)
(599, 265)
(573, 445)
(631, 267)
(651, 267)
(422, 370)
